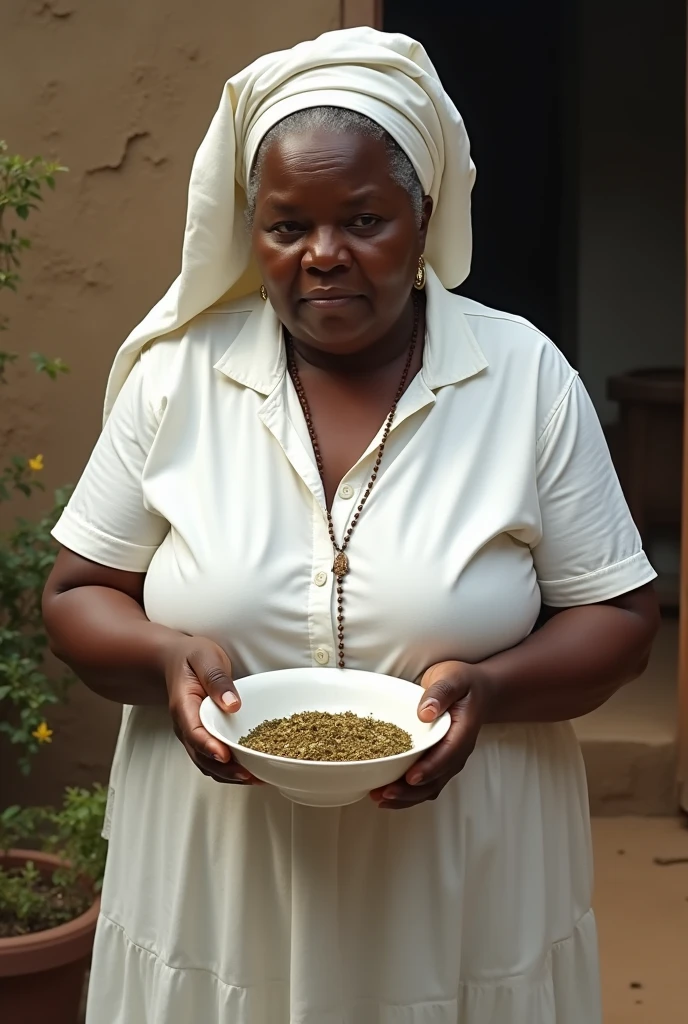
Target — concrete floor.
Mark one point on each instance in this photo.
(642, 914)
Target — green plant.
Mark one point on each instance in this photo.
(31, 901)
(26, 551)
(21, 185)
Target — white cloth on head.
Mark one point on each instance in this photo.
(387, 77)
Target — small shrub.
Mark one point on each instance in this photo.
(31, 901)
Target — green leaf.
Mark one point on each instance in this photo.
(51, 367)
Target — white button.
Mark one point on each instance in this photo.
(321, 656)
(346, 491)
(320, 579)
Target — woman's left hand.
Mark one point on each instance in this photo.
(463, 691)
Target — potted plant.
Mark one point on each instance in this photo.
(49, 904)
(51, 860)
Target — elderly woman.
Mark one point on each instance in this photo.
(316, 454)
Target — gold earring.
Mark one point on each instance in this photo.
(263, 293)
(419, 283)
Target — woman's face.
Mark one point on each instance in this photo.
(337, 240)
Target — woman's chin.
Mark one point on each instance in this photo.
(334, 330)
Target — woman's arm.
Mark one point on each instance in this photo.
(94, 615)
(567, 668)
(588, 549)
(96, 624)
(571, 665)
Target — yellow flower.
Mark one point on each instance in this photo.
(36, 464)
(43, 734)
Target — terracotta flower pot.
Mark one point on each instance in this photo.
(42, 974)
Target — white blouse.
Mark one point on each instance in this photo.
(496, 491)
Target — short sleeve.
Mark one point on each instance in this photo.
(107, 520)
(590, 549)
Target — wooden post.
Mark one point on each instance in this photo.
(683, 587)
(361, 12)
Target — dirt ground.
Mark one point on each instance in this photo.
(642, 914)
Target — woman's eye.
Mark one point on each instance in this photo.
(287, 227)
(366, 220)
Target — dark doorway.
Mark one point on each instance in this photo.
(510, 69)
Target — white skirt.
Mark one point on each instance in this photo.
(230, 905)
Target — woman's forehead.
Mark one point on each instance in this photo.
(350, 158)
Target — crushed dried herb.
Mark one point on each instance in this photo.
(323, 736)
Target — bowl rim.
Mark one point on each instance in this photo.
(437, 731)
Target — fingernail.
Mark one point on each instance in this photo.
(430, 705)
(243, 776)
(415, 778)
(218, 758)
(389, 794)
(230, 699)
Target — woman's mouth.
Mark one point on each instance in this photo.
(331, 303)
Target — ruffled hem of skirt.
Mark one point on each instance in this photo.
(132, 985)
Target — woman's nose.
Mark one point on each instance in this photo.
(325, 251)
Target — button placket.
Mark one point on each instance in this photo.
(320, 614)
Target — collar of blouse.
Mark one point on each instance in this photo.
(257, 359)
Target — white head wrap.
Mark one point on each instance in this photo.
(390, 79)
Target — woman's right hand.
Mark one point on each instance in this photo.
(196, 668)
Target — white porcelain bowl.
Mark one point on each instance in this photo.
(324, 783)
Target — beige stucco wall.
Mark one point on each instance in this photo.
(122, 92)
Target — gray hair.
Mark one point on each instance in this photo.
(340, 121)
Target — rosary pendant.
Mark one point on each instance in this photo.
(341, 565)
